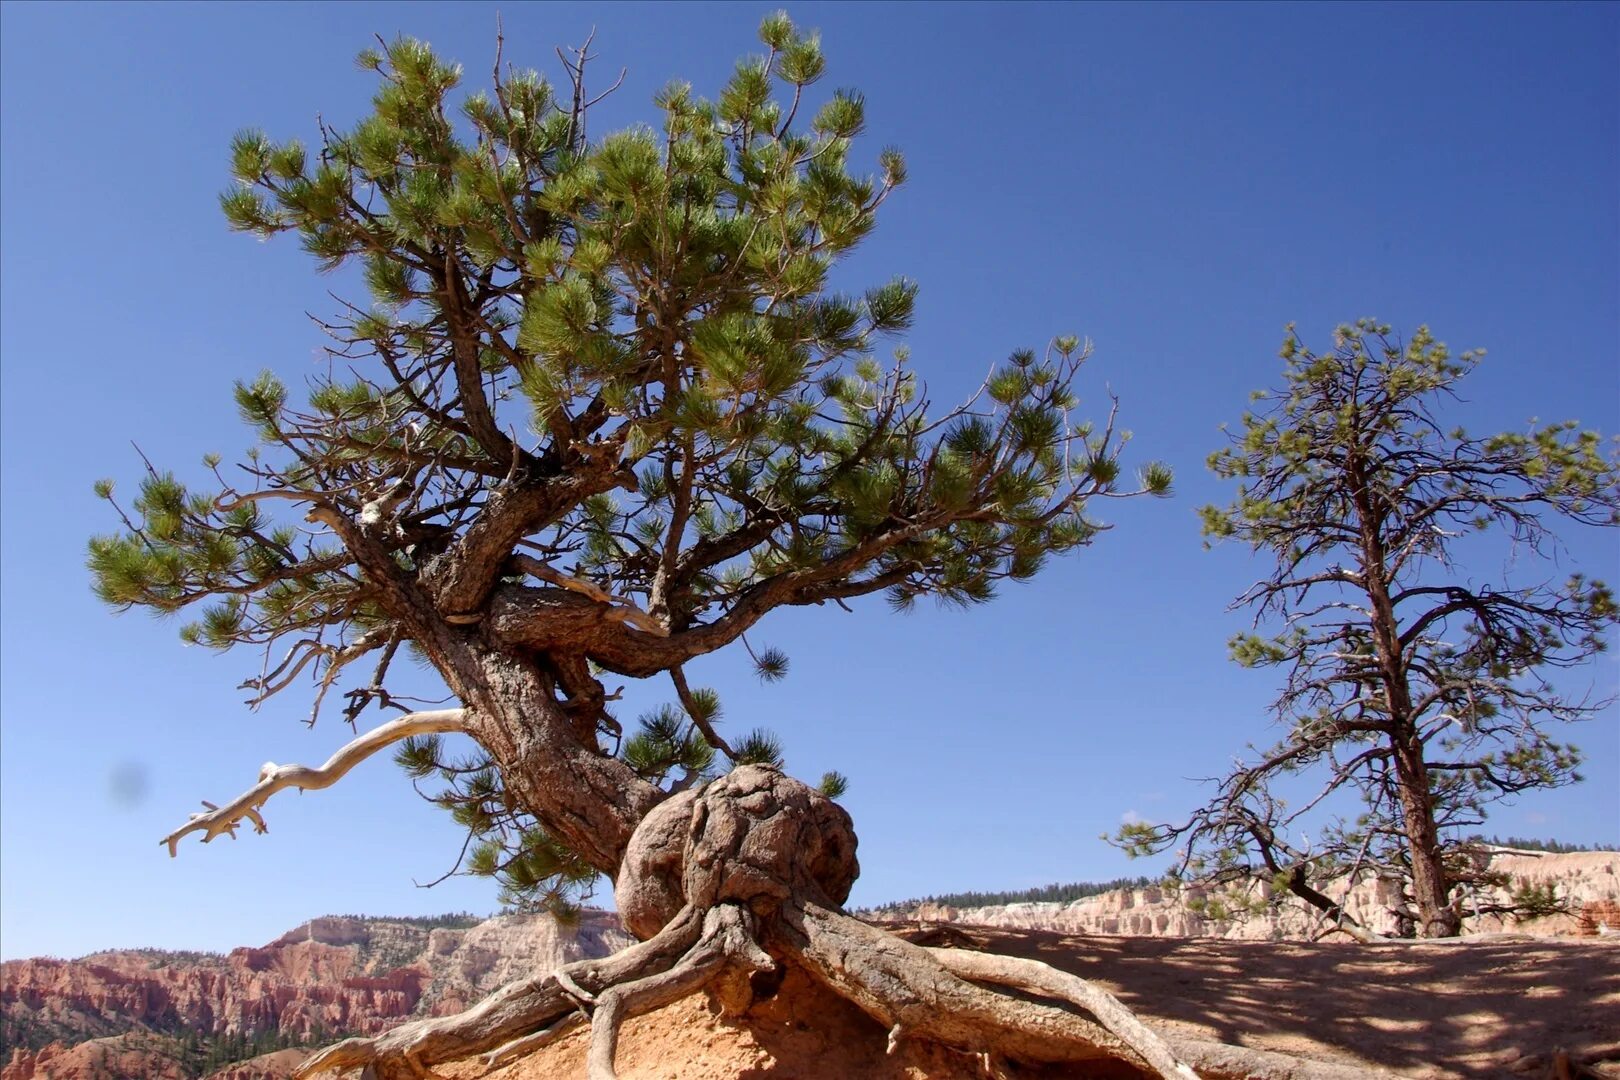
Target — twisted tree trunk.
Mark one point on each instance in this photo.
(1438, 916)
(722, 884)
(549, 762)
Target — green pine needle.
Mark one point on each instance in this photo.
(833, 784)
(758, 747)
(771, 665)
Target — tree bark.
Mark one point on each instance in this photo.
(1437, 917)
(589, 800)
(1430, 889)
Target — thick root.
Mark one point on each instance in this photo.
(619, 1003)
(1221, 1061)
(528, 1044)
(1041, 978)
(728, 939)
(918, 993)
(408, 1050)
(767, 844)
(909, 990)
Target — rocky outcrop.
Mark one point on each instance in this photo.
(464, 965)
(150, 1057)
(138, 1054)
(299, 990)
(332, 976)
(275, 1065)
(1598, 918)
(1579, 878)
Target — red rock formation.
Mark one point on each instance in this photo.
(147, 1056)
(1598, 917)
(298, 990)
(330, 977)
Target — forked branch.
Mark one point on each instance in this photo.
(274, 778)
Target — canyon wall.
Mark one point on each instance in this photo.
(327, 978)
(1582, 880)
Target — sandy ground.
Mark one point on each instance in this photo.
(803, 1033)
(1481, 1007)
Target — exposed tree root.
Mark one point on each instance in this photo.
(528, 1044)
(1222, 1061)
(726, 884)
(727, 939)
(909, 989)
(1044, 979)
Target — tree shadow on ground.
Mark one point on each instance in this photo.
(810, 1033)
(1473, 1007)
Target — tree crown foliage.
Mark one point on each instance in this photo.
(601, 409)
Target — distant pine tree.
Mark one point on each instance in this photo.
(1409, 684)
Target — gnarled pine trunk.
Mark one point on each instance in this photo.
(1437, 916)
(549, 760)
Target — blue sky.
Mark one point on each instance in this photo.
(1174, 182)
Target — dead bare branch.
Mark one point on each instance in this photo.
(274, 778)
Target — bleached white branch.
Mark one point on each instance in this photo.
(273, 778)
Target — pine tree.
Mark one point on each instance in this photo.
(605, 414)
(1410, 682)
